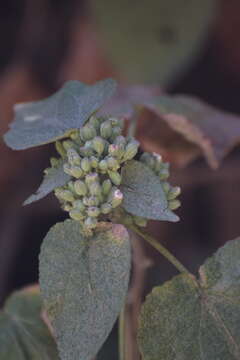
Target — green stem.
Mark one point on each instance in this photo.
(121, 334)
(163, 251)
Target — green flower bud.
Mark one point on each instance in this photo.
(116, 131)
(106, 129)
(54, 162)
(140, 221)
(67, 207)
(92, 201)
(85, 164)
(60, 149)
(103, 166)
(65, 195)
(75, 214)
(116, 198)
(148, 159)
(90, 222)
(166, 187)
(113, 164)
(98, 144)
(80, 188)
(173, 192)
(94, 162)
(87, 132)
(67, 169)
(75, 136)
(94, 122)
(93, 211)
(106, 208)
(70, 186)
(131, 150)
(73, 157)
(106, 187)
(68, 144)
(115, 177)
(78, 204)
(95, 188)
(120, 140)
(164, 174)
(91, 178)
(174, 204)
(77, 172)
(116, 122)
(116, 151)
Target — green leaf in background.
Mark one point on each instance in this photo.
(23, 333)
(188, 319)
(53, 178)
(152, 40)
(47, 120)
(143, 194)
(84, 282)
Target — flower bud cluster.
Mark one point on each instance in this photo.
(93, 157)
(161, 169)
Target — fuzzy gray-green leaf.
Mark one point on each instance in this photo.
(55, 177)
(84, 282)
(47, 120)
(195, 319)
(143, 194)
(23, 334)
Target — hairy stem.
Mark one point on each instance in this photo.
(160, 248)
(121, 334)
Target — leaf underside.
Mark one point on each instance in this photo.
(143, 194)
(84, 282)
(47, 120)
(55, 177)
(23, 334)
(187, 318)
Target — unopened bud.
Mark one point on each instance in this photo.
(164, 174)
(68, 144)
(106, 129)
(113, 164)
(98, 144)
(75, 214)
(77, 172)
(115, 177)
(173, 192)
(166, 187)
(87, 132)
(103, 166)
(85, 164)
(116, 131)
(106, 208)
(93, 201)
(95, 188)
(91, 178)
(78, 204)
(116, 151)
(93, 211)
(60, 149)
(94, 162)
(94, 122)
(174, 204)
(65, 195)
(67, 207)
(80, 188)
(73, 157)
(90, 222)
(117, 198)
(116, 122)
(106, 187)
(131, 150)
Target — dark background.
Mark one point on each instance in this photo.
(43, 43)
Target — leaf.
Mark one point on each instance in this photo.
(215, 132)
(143, 194)
(84, 282)
(187, 318)
(54, 177)
(157, 38)
(47, 120)
(23, 334)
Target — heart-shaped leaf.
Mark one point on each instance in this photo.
(143, 194)
(47, 120)
(188, 319)
(23, 333)
(84, 282)
(55, 177)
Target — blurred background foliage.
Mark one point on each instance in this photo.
(183, 46)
